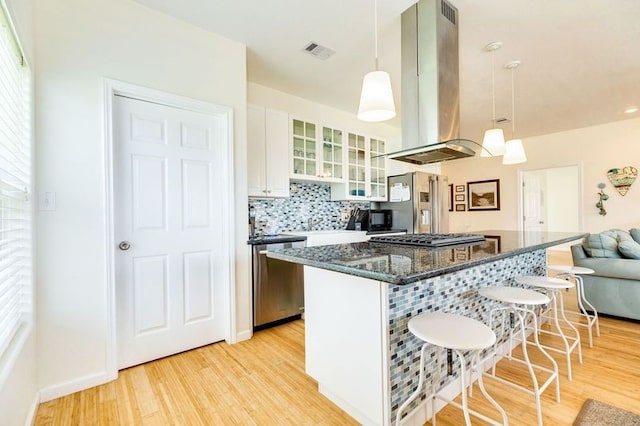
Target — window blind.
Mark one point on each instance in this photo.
(15, 185)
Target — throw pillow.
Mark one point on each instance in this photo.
(604, 244)
(621, 235)
(629, 249)
(635, 234)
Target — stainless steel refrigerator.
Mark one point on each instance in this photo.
(419, 202)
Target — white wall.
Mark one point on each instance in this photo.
(559, 194)
(79, 43)
(18, 374)
(597, 148)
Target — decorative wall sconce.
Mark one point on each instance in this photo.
(603, 197)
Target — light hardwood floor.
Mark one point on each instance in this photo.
(262, 382)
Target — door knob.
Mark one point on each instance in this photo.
(541, 222)
(124, 245)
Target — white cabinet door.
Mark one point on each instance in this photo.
(267, 152)
(366, 178)
(256, 151)
(277, 153)
(317, 152)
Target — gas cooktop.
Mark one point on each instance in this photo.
(428, 240)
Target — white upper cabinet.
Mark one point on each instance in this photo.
(366, 178)
(267, 152)
(317, 152)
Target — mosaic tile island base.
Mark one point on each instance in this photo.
(360, 297)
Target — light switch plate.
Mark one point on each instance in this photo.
(47, 201)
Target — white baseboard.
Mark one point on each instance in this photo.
(86, 382)
(244, 335)
(33, 410)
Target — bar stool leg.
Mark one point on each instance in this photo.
(591, 319)
(564, 318)
(536, 341)
(478, 369)
(416, 393)
(553, 295)
(525, 355)
(463, 391)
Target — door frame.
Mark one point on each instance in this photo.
(579, 166)
(115, 87)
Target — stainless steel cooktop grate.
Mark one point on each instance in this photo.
(428, 240)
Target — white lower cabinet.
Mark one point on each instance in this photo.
(267, 152)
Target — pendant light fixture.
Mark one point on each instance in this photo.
(376, 99)
(493, 142)
(513, 148)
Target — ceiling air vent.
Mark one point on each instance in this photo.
(320, 52)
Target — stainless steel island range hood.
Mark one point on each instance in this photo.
(430, 85)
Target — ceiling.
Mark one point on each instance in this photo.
(580, 59)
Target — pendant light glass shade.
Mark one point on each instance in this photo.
(376, 99)
(493, 142)
(514, 152)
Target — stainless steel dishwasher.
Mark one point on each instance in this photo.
(278, 286)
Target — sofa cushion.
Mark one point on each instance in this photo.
(629, 249)
(604, 244)
(621, 235)
(635, 234)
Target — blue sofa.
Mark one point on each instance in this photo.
(614, 288)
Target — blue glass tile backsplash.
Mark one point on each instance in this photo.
(307, 201)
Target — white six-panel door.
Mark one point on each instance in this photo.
(172, 261)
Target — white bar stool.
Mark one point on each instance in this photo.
(517, 301)
(573, 273)
(455, 333)
(553, 287)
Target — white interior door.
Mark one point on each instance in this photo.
(533, 201)
(172, 264)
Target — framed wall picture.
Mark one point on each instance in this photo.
(483, 195)
(459, 197)
(459, 188)
(460, 207)
(450, 197)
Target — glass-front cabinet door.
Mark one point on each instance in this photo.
(378, 176)
(304, 149)
(317, 152)
(366, 176)
(356, 158)
(332, 153)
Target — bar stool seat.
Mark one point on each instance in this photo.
(574, 273)
(452, 331)
(516, 301)
(455, 333)
(552, 286)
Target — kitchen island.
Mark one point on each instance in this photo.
(359, 298)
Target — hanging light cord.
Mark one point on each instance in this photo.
(513, 105)
(375, 30)
(493, 87)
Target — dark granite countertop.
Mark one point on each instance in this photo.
(404, 264)
(275, 239)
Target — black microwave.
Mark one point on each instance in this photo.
(380, 220)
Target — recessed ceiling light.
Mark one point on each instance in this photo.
(631, 110)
